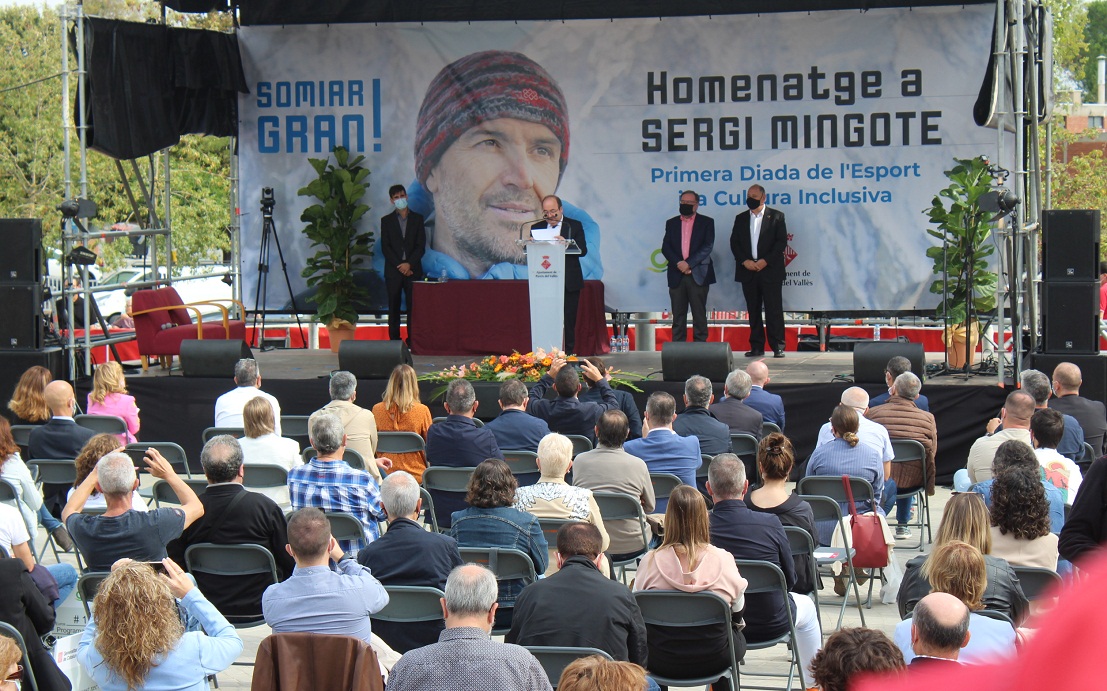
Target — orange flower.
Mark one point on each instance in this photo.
(546, 362)
(497, 368)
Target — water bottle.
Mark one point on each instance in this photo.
(624, 344)
(443, 277)
(614, 344)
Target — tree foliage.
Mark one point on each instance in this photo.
(1095, 44)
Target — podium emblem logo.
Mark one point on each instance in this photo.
(546, 262)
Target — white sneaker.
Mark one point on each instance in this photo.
(903, 533)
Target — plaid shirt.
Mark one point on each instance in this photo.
(335, 486)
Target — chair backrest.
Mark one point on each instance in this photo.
(448, 487)
(524, 466)
(411, 603)
(22, 434)
(428, 508)
(399, 442)
(743, 444)
(102, 424)
(550, 526)
(908, 451)
(507, 564)
(164, 494)
(826, 509)
(1088, 457)
(768, 428)
(1036, 581)
(554, 659)
(997, 615)
(294, 425)
(87, 585)
(264, 476)
(762, 577)
(232, 560)
(170, 451)
(831, 486)
(580, 444)
(54, 471)
(8, 494)
(236, 432)
(442, 418)
(353, 458)
(11, 632)
(345, 526)
(800, 544)
(664, 484)
(616, 506)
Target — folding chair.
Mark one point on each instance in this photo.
(1037, 581)
(265, 476)
(353, 458)
(409, 605)
(801, 544)
(295, 427)
(102, 424)
(912, 451)
(442, 418)
(87, 585)
(692, 611)
(768, 428)
(52, 472)
(554, 659)
(447, 487)
(22, 435)
(399, 442)
(345, 526)
(169, 451)
(550, 526)
(524, 466)
(616, 506)
(8, 494)
(11, 632)
(745, 447)
(428, 509)
(580, 444)
(826, 509)
(766, 577)
(236, 432)
(163, 491)
(997, 615)
(664, 484)
(233, 560)
(507, 564)
(701, 477)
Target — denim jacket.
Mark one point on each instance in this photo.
(502, 527)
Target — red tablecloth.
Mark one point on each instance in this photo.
(488, 317)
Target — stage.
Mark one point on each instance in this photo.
(178, 409)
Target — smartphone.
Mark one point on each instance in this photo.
(137, 456)
(157, 566)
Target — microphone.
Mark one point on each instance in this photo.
(527, 223)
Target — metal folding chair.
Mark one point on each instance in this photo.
(745, 447)
(664, 484)
(524, 466)
(163, 491)
(264, 476)
(826, 509)
(233, 560)
(507, 564)
(236, 432)
(428, 509)
(616, 506)
(9, 494)
(22, 435)
(554, 659)
(169, 451)
(87, 585)
(442, 418)
(407, 605)
(768, 428)
(673, 609)
(912, 451)
(102, 424)
(345, 526)
(295, 427)
(399, 442)
(801, 544)
(447, 487)
(353, 458)
(52, 472)
(766, 577)
(1037, 581)
(580, 444)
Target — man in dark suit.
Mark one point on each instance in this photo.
(697, 421)
(770, 405)
(625, 399)
(758, 240)
(515, 430)
(403, 242)
(60, 438)
(689, 239)
(739, 417)
(567, 414)
(558, 226)
(457, 442)
(1091, 415)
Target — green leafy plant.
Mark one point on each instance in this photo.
(961, 262)
(333, 229)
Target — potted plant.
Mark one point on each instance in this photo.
(332, 227)
(964, 281)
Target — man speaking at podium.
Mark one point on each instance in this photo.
(557, 226)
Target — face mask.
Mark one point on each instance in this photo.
(401, 203)
(753, 203)
(685, 209)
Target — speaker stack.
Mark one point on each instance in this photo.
(682, 359)
(870, 359)
(1070, 292)
(21, 271)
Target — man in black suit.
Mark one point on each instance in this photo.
(689, 239)
(758, 240)
(558, 226)
(1091, 415)
(60, 438)
(403, 242)
(739, 417)
(567, 414)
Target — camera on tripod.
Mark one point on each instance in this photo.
(267, 200)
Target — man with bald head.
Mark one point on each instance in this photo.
(1067, 400)
(870, 433)
(1015, 416)
(939, 630)
(768, 404)
(60, 438)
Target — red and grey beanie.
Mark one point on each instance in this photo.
(485, 86)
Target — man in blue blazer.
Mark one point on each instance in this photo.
(768, 404)
(689, 239)
(758, 240)
(663, 450)
(514, 428)
(60, 438)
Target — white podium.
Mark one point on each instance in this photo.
(546, 285)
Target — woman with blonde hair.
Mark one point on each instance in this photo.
(109, 397)
(135, 639)
(966, 519)
(687, 561)
(263, 446)
(28, 402)
(12, 671)
(94, 449)
(401, 411)
(596, 673)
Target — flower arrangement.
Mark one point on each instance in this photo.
(528, 367)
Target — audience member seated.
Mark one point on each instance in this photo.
(28, 402)
(1084, 530)
(1071, 443)
(688, 562)
(966, 519)
(768, 404)
(135, 639)
(895, 367)
(360, 423)
(625, 399)
(732, 409)
(327, 482)
(492, 521)
(60, 438)
(753, 535)
(96, 448)
(1015, 418)
(850, 653)
(465, 657)
(401, 411)
(514, 429)
(10, 668)
(552, 497)
(125, 320)
(939, 630)
(662, 449)
(609, 468)
(904, 420)
(579, 606)
(957, 568)
(23, 606)
(247, 379)
(1017, 454)
(262, 445)
(597, 673)
(234, 516)
(1020, 520)
(317, 599)
(697, 421)
(15, 471)
(871, 434)
(408, 555)
(845, 455)
(109, 397)
(121, 531)
(775, 459)
(1046, 429)
(568, 414)
(1091, 414)
(457, 442)
(16, 542)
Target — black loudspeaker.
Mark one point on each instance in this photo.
(1093, 371)
(21, 260)
(1069, 318)
(13, 363)
(372, 359)
(20, 308)
(870, 359)
(1070, 245)
(212, 358)
(681, 359)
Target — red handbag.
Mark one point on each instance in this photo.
(870, 550)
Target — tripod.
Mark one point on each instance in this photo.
(269, 232)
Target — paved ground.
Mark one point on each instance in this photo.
(880, 616)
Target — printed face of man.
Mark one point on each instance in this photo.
(486, 185)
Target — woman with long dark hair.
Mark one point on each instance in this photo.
(1020, 520)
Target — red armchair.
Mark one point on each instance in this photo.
(162, 321)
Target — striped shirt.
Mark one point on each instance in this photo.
(335, 486)
(838, 458)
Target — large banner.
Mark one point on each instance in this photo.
(847, 119)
